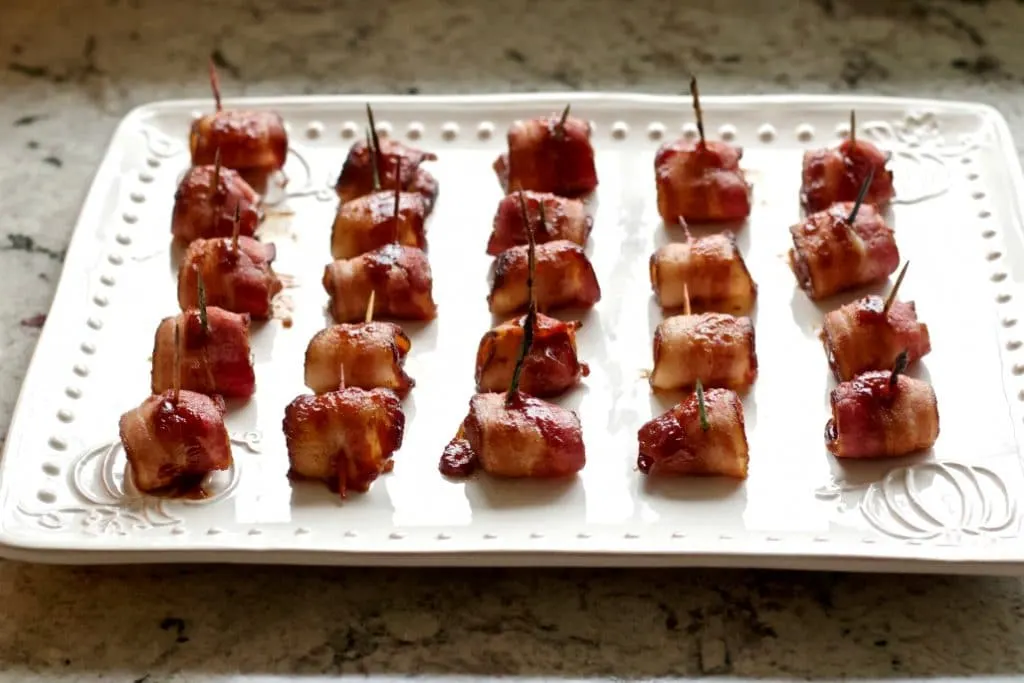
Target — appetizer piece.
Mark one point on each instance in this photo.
(212, 355)
(549, 154)
(367, 355)
(233, 273)
(512, 434)
(554, 218)
(207, 200)
(845, 247)
(701, 436)
(174, 440)
(345, 438)
(358, 178)
(707, 271)
(700, 181)
(871, 332)
(374, 220)
(565, 279)
(399, 278)
(550, 368)
(714, 347)
(254, 143)
(882, 414)
(835, 175)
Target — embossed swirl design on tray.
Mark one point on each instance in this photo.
(107, 501)
(933, 500)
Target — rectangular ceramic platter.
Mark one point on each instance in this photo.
(957, 220)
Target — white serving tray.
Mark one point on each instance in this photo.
(958, 220)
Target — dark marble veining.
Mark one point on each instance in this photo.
(69, 69)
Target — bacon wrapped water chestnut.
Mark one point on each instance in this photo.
(212, 354)
(716, 348)
(553, 217)
(207, 200)
(565, 278)
(398, 277)
(398, 167)
(254, 143)
(365, 355)
(845, 247)
(871, 332)
(549, 369)
(700, 181)
(836, 174)
(378, 219)
(174, 440)
(237, 275)
(708, 270)
(345, 438)
(549, 154)
(877, 415)
(703, 435)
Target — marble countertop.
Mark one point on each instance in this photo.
(69, 69)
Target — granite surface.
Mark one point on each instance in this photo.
(69, 69)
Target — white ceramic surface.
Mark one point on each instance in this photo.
(957, 219)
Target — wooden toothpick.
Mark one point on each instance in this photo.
(702, 409)
(686, 300)
(899, 367)
(695, 93)
(215, 85)
(560, 126)
(373, 162)
(376, 146)
(177, 361)
(398, 191)
(891, 299)
(369, 305)
(215, 182)
(853, 126)
(236, 228)
(860, 196)
(201, 286)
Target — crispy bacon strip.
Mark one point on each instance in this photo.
(710, 269)
(368, 222)
(213, 362)
(871, 418)
(241, 280)
(399, 276)
(837, 174)
(545, 156)
(551, 367)
(676, 444)
(356, 178)
(345, 438)
(173, 440)
(204, 211)
(701, 182)
(861, 336)
(716, 348)
(531, 438)
(247, 140)
(830, 255)
(561, 219)
(363, 355)
(564, 278)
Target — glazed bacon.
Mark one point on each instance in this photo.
(213, 361)
(709, 269)
(716, 348)
(528, 438)
(863, 336)
(364, 355)
(173, 440)
(398, 276)
(398, 165)
(238, 279)
(345, 438)
(561, 219)
(368, 222)
(564, 278)
(549, 154)
(837, 174)
(831, 255)
(701, 182)
(248, 141)
(872, 418)
(550, 368)
(675, 443)
(204, 209)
